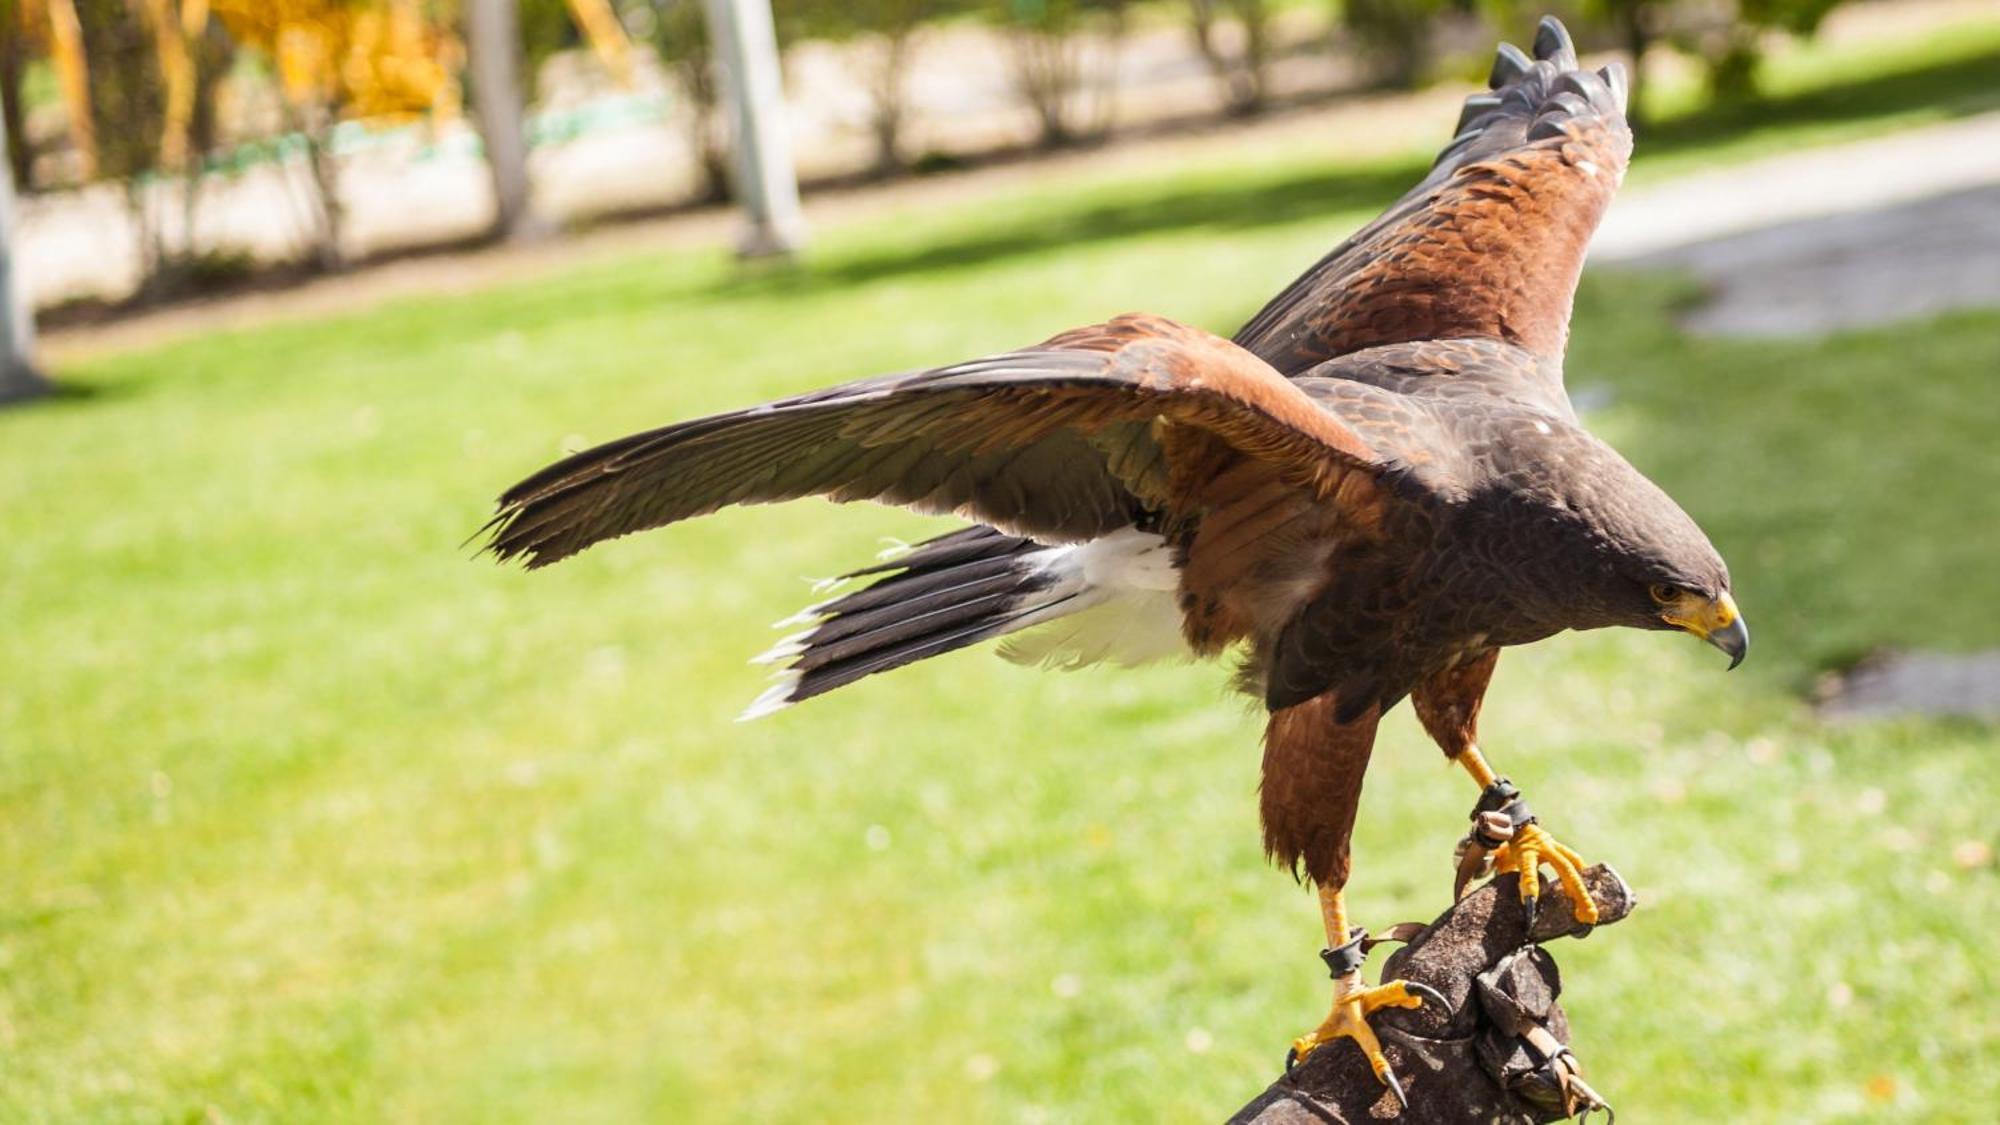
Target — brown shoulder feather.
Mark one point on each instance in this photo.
(1490, 244)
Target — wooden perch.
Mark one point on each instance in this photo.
(1501, 985)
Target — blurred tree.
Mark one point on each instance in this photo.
(547, 28)
(1728, 37)
(1394, 36)
(175, 59)
(552, 26)
(890, 28)
(345, 59)
(598, 21)
(138, 79)
(1636, 23)
(56, 28)
(1049, 41)
(14, 46)
(678, 31)
(1734, 51)
(126, 108)
(1245, 73)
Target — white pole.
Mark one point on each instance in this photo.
(18, 377)
(746, 51)
(493, 39)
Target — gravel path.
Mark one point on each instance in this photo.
(1922, 683)
(1860, 234)
(1851, 270)
(1837, 179)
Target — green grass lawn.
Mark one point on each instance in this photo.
(305, 814)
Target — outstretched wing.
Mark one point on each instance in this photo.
(1491, 242)
(1065, 441)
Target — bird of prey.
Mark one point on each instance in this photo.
(1377, 485)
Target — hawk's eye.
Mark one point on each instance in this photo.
(1663, 594)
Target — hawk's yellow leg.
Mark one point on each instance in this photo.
(1353, 1001)
(1532, 847)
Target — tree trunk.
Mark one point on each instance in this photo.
(706, 141)
(18, 376)
(746, 49)
(887, 109)
(493, 41)
(329, 214)
(1256, 21)
(1733, 68)
(711, 157)
(13, 113)
(1105, 92)
(1201, 20)
(1045, 69)
(1242, 77)
(1633, 19)
(1473, 1063)
(73, 71)
(1395, 36)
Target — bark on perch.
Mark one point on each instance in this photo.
(1448, 1064)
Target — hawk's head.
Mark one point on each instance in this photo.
(1711, 616)
(1657, 569)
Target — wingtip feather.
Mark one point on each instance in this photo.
(1509, 64)
(1552, 41)
(1621, 86)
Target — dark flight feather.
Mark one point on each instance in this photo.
(1007, 438)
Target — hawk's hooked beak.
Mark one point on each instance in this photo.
(1716, 621)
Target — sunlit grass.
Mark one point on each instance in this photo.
(306, 815)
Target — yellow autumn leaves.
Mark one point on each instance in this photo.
(355, 59)
(389, 58)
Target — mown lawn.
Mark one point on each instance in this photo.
(306, 815)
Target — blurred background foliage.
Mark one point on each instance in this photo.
(162, 94)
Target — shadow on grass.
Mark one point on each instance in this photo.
(1960, 88)
(58, 393)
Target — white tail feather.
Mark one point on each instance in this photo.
(1112, 599)
(1127, 613)
(776, 698)
(784, 650)
(1125, 630)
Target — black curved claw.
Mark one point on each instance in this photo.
(1395, 1087)
(1291, 1060)
(1529, 907)
(1430, 996)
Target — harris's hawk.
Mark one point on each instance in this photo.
(1370, 491)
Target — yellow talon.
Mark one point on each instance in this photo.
(1352, 1004)
(1532, 847)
